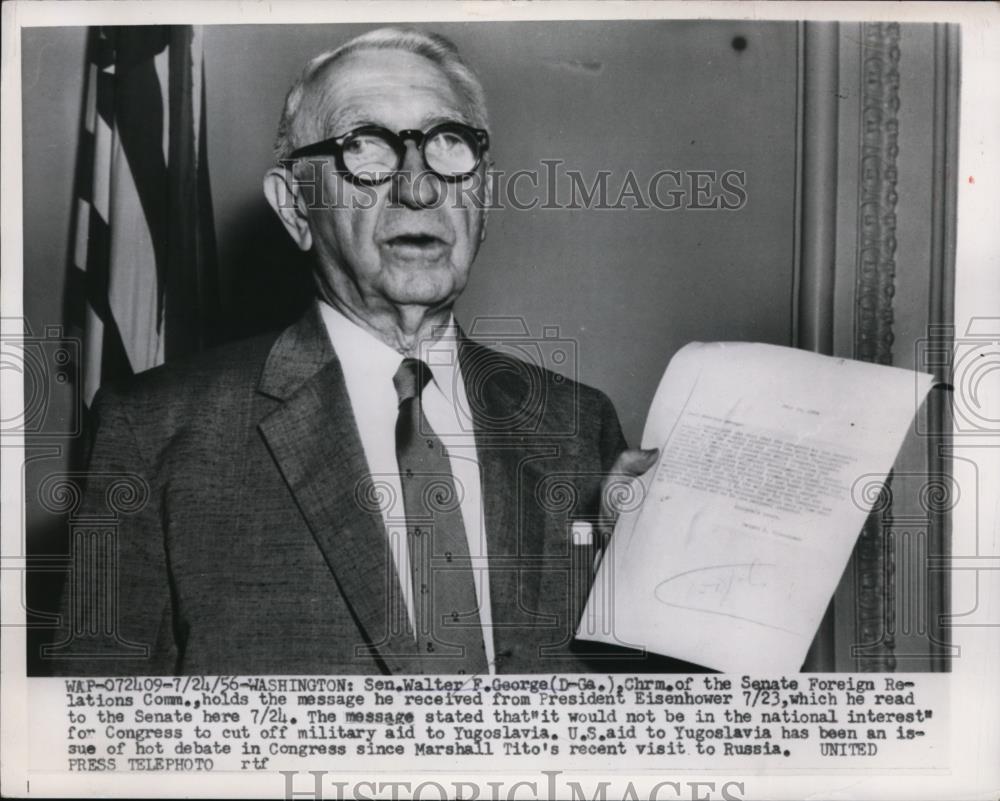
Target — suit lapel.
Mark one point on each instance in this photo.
(498, 397)
(314, 439)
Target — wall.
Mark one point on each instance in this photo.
(52, 64)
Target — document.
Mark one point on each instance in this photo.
(767, 457)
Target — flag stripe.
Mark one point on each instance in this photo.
(100, 193)
(90, 113)
(133, 278)
(139, 121)
(209, 291)
(76, 287)
(189, 293)
(98, 250)
(183, 203)
(84, 179)
(104, 98)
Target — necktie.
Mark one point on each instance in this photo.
(448, 629)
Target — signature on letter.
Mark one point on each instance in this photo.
(707, 589)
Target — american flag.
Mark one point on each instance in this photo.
(143, 287)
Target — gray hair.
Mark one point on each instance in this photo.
(432, 46)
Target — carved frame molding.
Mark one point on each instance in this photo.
(874, 563)
(857, 133)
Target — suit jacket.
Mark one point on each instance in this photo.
(258, 548)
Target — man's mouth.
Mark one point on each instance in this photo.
(415, 241)
(416, 246)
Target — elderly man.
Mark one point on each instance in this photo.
(370, 491)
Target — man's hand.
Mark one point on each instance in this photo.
(620, 488)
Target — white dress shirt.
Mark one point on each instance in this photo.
(369, 365)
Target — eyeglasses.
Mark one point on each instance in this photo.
(372, 154)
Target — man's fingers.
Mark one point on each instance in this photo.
(619, 488)
(635, 461)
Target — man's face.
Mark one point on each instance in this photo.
(412, 239)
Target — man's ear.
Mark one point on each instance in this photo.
(284, 196)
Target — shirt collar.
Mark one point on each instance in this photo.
(366, 358)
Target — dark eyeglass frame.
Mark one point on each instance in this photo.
(335, 146)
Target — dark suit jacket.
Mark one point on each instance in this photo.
(258, 550)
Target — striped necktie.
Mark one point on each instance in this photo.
(446, 613)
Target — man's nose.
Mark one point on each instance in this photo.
(413, 185)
